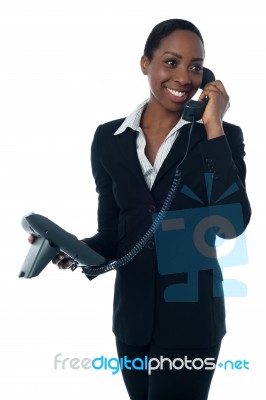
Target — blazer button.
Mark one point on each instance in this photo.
(151, 209)
(150, 245)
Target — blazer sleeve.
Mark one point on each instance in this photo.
(223, 159)
(105, 241)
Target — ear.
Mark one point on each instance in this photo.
(144, 63)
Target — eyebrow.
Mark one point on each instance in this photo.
(179, 56)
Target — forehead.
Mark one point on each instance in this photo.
(183, 42)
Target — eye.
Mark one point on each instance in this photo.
(171, 62)
(197, 68)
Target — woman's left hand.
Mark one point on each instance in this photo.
(216, 108)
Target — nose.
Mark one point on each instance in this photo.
(182, 75)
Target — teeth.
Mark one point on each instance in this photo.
(176, 93)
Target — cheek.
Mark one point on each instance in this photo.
(157, 76)
(196, 82)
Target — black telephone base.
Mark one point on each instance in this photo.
(50, 239)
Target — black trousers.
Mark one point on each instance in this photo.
(170, 374)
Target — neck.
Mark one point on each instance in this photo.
(156, 116)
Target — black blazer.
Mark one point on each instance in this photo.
(125, 210)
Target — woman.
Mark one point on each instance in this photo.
(134, 162)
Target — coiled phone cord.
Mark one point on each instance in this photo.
(115, 264)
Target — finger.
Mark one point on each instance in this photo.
(31, 239)
(66, 263)
(219, 85)
(216, 86)
(214, 92)
(59, 257)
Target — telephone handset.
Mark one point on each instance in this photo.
(194, 110)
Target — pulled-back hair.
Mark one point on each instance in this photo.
(164, 29)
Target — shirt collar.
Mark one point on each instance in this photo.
(133, 120)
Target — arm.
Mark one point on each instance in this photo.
(223, 153)
(105, 241)
(224, 158)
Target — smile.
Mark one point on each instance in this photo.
(176, 93)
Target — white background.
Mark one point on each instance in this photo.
(67, 66)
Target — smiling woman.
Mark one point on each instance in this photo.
(134, 160)
(174, 74)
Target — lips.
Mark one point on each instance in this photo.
(177, 96)
(176, 92)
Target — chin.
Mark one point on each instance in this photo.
(178, 108)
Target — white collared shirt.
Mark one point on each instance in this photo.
(133, 121)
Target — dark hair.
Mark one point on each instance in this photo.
(164, 29)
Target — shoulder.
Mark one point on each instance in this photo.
(231, 129)
(110, 127)
(103, 140)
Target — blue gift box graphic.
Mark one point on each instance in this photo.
(191, 240)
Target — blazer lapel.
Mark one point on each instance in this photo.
(126, 143)
(179, 148)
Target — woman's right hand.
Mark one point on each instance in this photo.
(62, 260)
